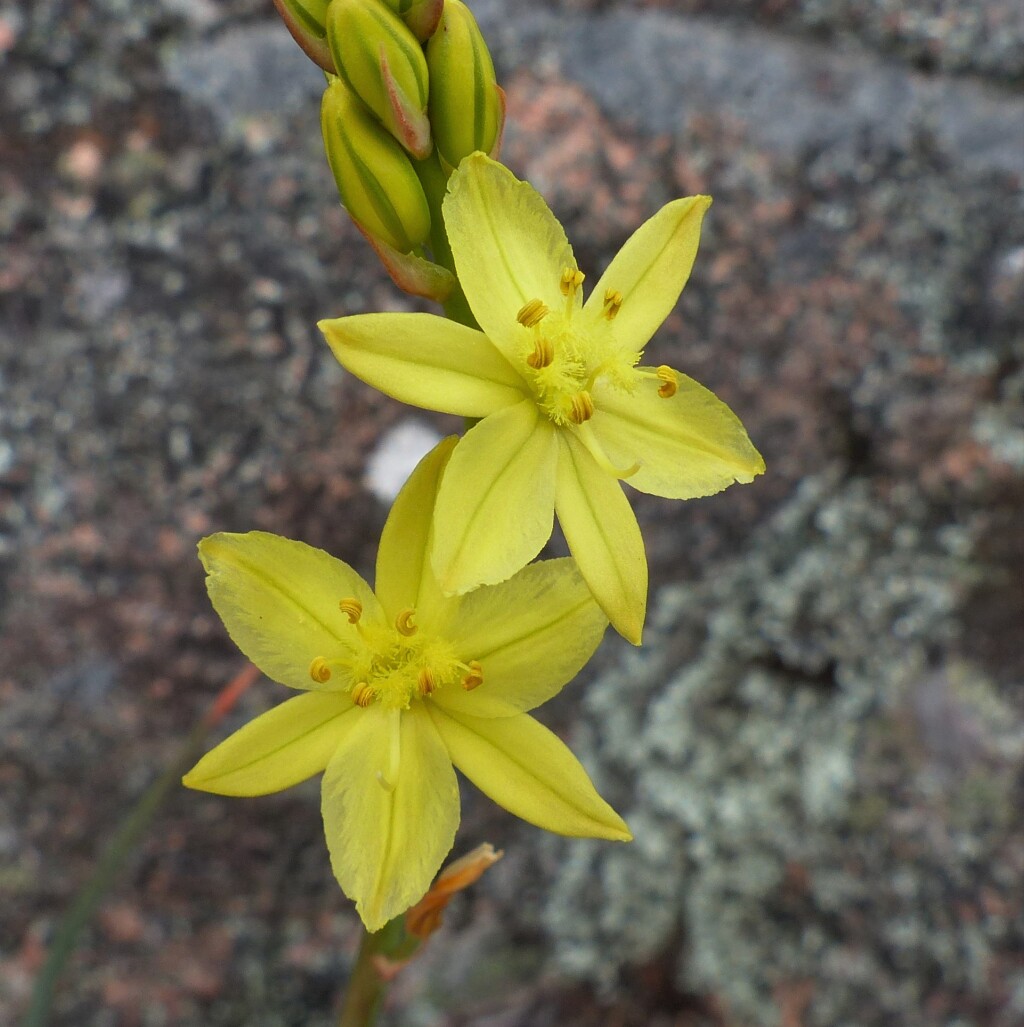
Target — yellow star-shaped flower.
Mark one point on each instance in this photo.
(567, 409)
(399, 686)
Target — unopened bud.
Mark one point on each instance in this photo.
(306, 21)
(465, 102)
(375, 176)
(382, 63)
(421, 16)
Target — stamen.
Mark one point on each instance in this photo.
(352, 608)
(542, 355)
(363, 695)
(664, 374)
(612, 302)
(532, 313)
(426, 682)
(404, 624)
(475, 677)
(582, 408)
(586, 435)
(572, 279)
(669, 380)
(319, 671)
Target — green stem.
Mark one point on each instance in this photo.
(365, 988)
(435, 184)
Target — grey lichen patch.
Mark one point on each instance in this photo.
(1000, 425)
(795, 752)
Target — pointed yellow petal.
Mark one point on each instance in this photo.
(603, 536)
(508, 246)
(495, 507)
(391, 807)
(426, 361)
(651, 269)
(279, 601)
(531, 635)
(404, 577)
(278, 749)
(522, 766)
(688, 445)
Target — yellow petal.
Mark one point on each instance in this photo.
(426, 361)
(404, 577)
(651, 269)
(508, 246)
(522, 766)
(279, 601)
(603, 536)
(688, 445)
(495, 507)
(391, 807)
(531, 635)
(278, 749)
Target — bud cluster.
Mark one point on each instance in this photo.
(410, 89)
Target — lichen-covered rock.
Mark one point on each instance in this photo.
(818, 744)
(823, 795)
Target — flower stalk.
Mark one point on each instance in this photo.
(366, 988)
(384, 953)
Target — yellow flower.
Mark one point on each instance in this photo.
(567, 410)
(399, 686)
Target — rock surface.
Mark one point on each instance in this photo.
(818, 748)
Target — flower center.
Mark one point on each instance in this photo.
(392, 665)
(565, 355)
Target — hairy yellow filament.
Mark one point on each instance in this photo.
(426, 682)
(404, 624)
(582, 408)
(319, 671)
(669, 380)
(532, 313)
(571, 281)
(475, 677)
(352, 608)
(362, 695)
(612, 302)
(542, 355)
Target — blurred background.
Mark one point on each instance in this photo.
(819, 748)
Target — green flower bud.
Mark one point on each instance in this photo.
(421, 16)
(305, 20)
(375, 177)
(382, 63)
(466, 109)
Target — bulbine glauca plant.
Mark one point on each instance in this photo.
(438, 665)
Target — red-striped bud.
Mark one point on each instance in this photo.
(383, 64)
